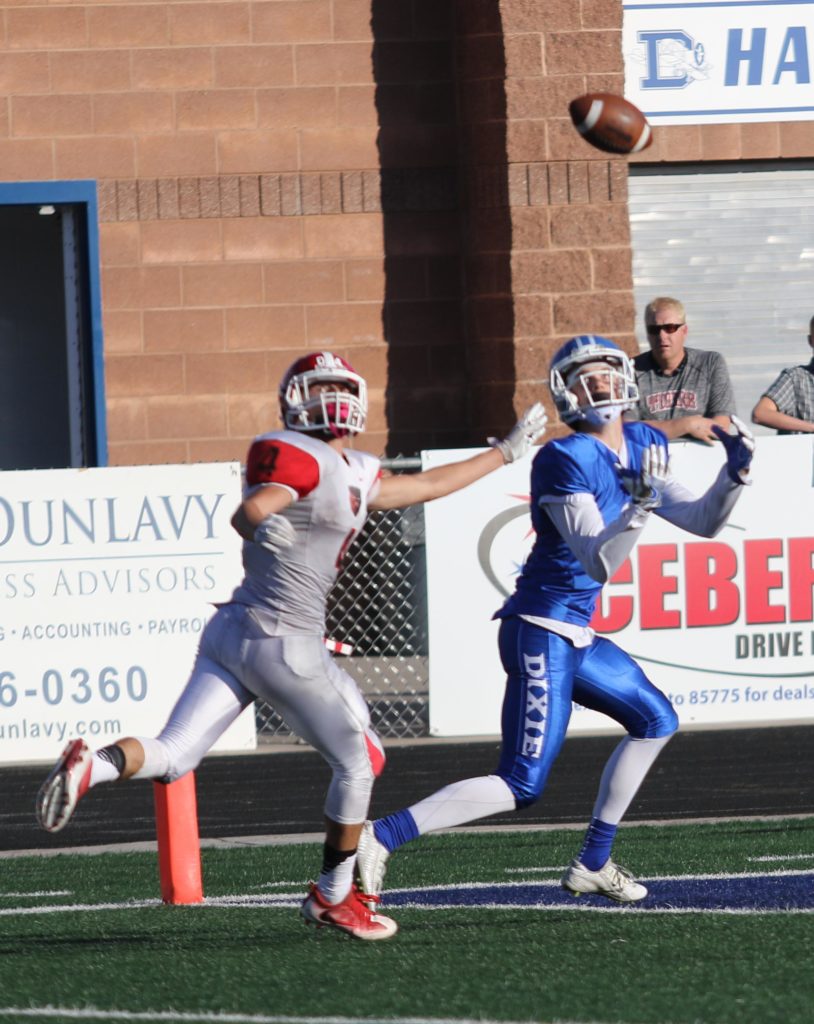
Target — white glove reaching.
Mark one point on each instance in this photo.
(275, 533)
(520, 439)
(645, 487)
(740, 447)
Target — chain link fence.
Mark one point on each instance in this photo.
(379, 606)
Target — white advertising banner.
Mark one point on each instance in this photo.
(723, 626)
(719, 61)
(107, 578)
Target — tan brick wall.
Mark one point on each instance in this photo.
(396, 179)
(235, 148)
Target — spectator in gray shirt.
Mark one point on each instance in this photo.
(682, 391)
(788, 405)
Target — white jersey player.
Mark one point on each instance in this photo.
(307, 496)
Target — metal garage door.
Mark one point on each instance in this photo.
(737, 247)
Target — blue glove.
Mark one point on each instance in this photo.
(740, 447)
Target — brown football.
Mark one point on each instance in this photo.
(610, 122)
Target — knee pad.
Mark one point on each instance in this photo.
(181, 752)
(375, 752)
(156, 761)
(348, 797)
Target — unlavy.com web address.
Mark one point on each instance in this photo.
(33, 729)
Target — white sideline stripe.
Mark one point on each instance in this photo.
(534, 871)
(618, 909)
(554, 883)
(297, 838)
(277, 885)
(61, 908)
(780, 856)
(91, 1013)
(292, 900)
(44, 892)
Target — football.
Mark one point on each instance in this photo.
(610, 122)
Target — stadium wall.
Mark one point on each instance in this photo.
(398, 181)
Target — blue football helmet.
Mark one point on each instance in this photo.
(607, 390)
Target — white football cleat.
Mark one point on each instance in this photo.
(64, 787)
(351, 915)
(371, 862)
(610, 880)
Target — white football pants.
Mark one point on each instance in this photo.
(238, 662)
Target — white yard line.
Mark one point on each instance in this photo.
(174, 1017)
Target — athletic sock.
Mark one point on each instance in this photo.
(596, 848)
(336, 875)
(395, 830)
(456, 804)
(106, 764)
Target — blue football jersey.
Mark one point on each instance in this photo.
(553, 584)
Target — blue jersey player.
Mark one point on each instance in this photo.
(592, 493)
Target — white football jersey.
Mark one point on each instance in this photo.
(331, 491)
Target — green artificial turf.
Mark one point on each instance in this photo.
(512, 964)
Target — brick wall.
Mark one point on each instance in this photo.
(394, 179)
(235, 147)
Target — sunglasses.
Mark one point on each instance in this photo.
(658, 328)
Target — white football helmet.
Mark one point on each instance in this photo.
(334, 412)
(608, 389)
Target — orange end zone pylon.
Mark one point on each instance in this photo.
(179, 849)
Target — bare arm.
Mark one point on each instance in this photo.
(697, 427)
(400, 491)
(406, 489)
(767, 414)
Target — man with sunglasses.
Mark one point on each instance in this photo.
(683, 392)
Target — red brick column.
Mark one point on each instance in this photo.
(548, 240)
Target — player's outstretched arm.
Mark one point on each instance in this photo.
(415, 488)
(705, 516)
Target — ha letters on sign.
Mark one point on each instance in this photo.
(719, 62)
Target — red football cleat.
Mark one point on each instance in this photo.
(64, 787)
(351, 916)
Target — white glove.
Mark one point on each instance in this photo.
(275, 533)
(524, 433)
(646, 487)
(740, 447)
